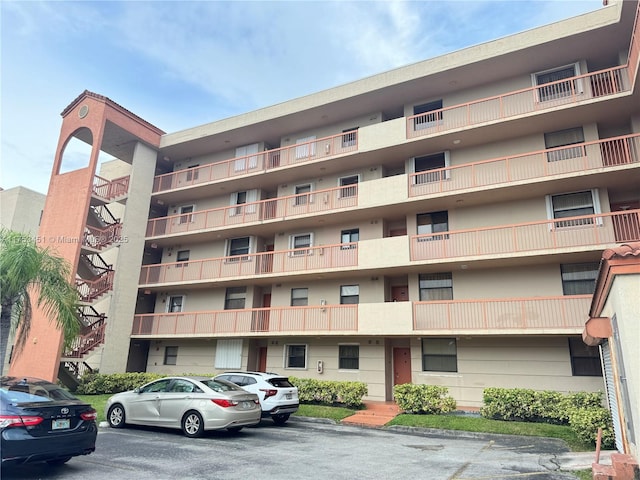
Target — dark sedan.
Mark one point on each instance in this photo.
(42, 422)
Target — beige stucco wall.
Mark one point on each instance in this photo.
(20, 209)
(623, 302)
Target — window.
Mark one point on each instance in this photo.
(579, 278)
(300, 243)
(192, 173)
(563, 138)
(175, 303)
(228, 353)
(428, 119)
(170, 355)
(349, 357)
(428, 163)
(350, 186)
(429, 223)
(555, 88)
(234, 298)
(585, 360)
(306, 147)
(349, 137)
(302, 194)
(238, 247)
(296, 356)
(435, 286)
(244, 158)
(182, 257)
(240, 199)
(161, 385)
(186, 214)
(299, 297)
(573, 205)
(349, 237)
(439, 355)
(349, 294)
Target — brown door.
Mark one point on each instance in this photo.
(400, 294)
(262, 359)
(401, 366)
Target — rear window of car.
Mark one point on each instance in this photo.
(220, 385)
(280, 382)
(30, 393)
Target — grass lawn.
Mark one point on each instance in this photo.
(445, 422)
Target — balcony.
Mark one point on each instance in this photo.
(281, 262)
(300, 205)
(251, 322)
(566, 314)
(584, 231)
(300, 153)
(521, 102)
(613, 152)
(110, 190)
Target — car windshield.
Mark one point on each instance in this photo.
(220, 385)
(29, 391)
(280, 382)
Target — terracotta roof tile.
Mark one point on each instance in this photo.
(624, 250)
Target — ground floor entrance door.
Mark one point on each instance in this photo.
(401, 365)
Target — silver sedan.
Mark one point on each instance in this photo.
(193, 404)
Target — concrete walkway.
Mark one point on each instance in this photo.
(375, 414)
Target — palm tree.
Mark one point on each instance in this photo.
(27, 270)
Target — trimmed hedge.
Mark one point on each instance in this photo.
(423, 399)
(330, 392)
(102, 383)
(582, 411)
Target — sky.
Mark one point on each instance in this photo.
(180, 64)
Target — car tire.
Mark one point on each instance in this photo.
(58, 461)
(281, 418)
(234, 429)
(116, 416)
(192, 424)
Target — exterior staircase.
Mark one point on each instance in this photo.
(623, 467)
(375, 414)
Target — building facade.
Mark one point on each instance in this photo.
(440, 223)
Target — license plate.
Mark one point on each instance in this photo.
(288, 396)
(60, 424)
(246, 405)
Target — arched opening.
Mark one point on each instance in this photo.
(77, 151)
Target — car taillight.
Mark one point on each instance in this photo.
(268, 392)
(224, 402)
(18, 421)
(89, 415)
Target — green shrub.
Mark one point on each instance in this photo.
(330, 392)
(101, 383)
(586, 421)
(425, 399)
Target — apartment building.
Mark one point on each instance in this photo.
(440, 223)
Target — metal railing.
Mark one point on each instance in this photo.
(596, 230)
(110, 189)
(99, 238)
(275, 208)
(89, 338)
(579, 157)
(544, 313)
(318, 149)
(520, 102)
(337, 318)
(90, 290)
(295, 260)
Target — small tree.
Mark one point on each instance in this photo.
(25, 270)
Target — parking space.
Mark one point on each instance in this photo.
(306, 450)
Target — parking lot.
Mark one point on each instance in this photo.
(303, 449)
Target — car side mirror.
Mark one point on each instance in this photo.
(136, 390)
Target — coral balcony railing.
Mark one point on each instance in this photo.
(580, 157)
(310, 151)
(302, 259)
(291, 206)
(110, 189)
(595, 230)
(336, 318)
(529, 100)
(545, 314)
(90, 290)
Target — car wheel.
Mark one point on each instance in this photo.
(58, 461)
(281, 418)
(192, 424)
(116, 416)
(234, 429)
